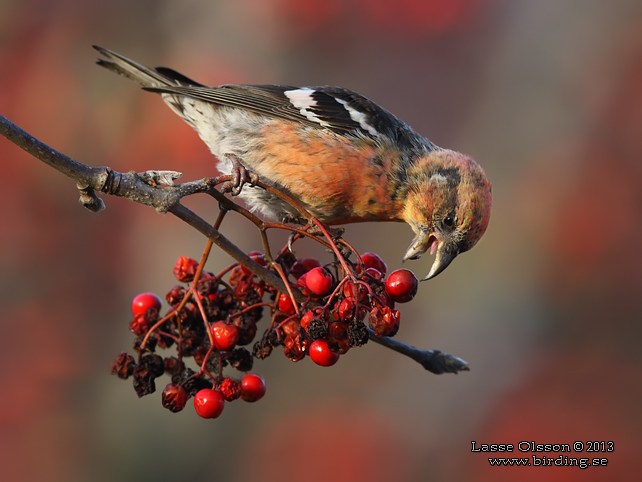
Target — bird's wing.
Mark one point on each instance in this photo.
(335, 108)
(340, 110)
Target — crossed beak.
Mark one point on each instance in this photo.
(429, 241)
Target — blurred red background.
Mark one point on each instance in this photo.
(546, 95)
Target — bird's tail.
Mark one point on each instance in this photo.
(157, 77)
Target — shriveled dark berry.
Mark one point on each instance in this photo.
(241, 359)
(306, 319)
(123, 366)
(149, 347)
(237, 276)
(358, 333)
(192, 341)
(384, 321)
(213, 363)
(347, 309)
(199, 354)
(262, 349)
(174, 398)
(230, 389)
(290, 327)
(140, 325)
(156, 364)
(338, 339)
(317, 328)
(185, 269)
(149, 368)
(175, 295)
(295, 347)
(247, 330)
(172, 366)
(193, 384)
(226, 300)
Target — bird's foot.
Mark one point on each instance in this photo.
(240, 176)
(293, 219)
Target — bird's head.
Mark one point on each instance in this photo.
(447, 206)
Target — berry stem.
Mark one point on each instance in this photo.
(250, 308)
(334, 293)
(298, 231)
(347, 269)
(208, 328)
(287, 285)
(155, 326)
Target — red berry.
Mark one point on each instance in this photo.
(185, 269)
(373, 260)
(174, 397)
(144, 302)
(349, 291)
(302, 283)
(209, 403)
(286, 305)
(302, 266)
(253, 388)
(401, 285)
(319, 281)
(225, 336)
(374, 273)
(256, 256)
(321, 354)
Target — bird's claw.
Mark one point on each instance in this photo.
(240, 176)
(291, 239)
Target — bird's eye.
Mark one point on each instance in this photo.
(449, 221)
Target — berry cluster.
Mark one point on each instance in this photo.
(212, 320)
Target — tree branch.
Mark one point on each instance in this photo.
(163, 198)
(434, 361)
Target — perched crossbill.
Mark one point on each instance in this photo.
(336, 153)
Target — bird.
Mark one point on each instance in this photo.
(338, 154)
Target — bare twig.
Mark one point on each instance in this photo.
(434, 361)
